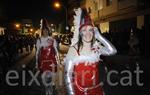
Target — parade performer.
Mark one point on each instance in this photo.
(47, 56)
(83, 57)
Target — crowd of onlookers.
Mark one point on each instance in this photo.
(12, 48)
(13, 44)
(126, 42)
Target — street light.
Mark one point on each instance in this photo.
(31, 29)
(58, 5)
(17, 25)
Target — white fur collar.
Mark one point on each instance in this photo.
(44, 41)
(86, 59)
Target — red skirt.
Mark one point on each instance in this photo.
(47, 60)
(86, 79)
(48, 65)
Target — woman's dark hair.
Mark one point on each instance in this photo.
(45, 27)
(80, 43)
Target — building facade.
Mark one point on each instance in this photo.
(116, 19)
(114, 15)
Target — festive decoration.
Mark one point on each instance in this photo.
(76, 22)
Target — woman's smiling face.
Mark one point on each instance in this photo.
(87, 33)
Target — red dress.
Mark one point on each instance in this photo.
(86, 80)
(47, 59)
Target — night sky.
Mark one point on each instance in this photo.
(31, 9)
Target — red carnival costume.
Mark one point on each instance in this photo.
(47, 54)
(47, 58)
(86, 76)
(82, 70)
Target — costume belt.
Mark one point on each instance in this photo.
(87, 88)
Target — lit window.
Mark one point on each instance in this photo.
(108, 2)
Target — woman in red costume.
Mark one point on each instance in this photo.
(47, 57)
(83, 57)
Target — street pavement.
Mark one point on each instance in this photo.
(25, 68)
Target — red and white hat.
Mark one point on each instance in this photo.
(85, 19)
(82, 18)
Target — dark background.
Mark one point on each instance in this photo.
(31, 9)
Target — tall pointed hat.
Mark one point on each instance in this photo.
(44, 25)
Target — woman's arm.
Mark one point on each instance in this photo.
(57, 53)
(107, 48)
(37, 52)
(69, 71)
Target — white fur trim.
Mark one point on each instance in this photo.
(93, 58)
(76, 22)
(44, 41)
